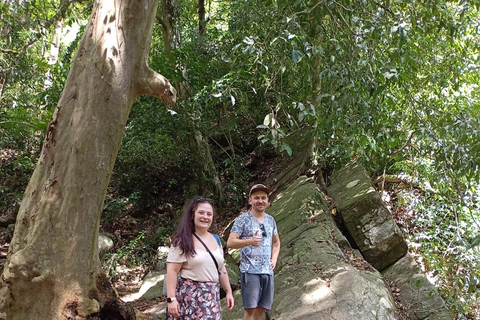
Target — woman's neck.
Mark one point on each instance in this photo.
(201, 232)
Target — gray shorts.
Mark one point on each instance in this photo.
(257, 290)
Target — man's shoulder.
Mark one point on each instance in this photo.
(269, 217)
(241, 218)
(245, 214)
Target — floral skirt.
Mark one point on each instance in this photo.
(198, 300)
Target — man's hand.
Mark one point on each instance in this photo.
(256, 240)
(273, 263)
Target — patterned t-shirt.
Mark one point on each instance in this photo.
(255, 260)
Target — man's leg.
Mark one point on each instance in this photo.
(254, 314)
(250, 288)
(259, 311)
(249, 314)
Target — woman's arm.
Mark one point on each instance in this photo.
(225, 283)
(173, 268)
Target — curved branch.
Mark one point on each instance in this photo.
(404, 145)
(154, 84)
(394, 179)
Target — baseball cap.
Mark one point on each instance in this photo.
(259, 187)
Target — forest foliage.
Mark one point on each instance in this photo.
(393, 84)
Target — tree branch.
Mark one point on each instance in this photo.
(393, 179)
(404, 145)
(154, 84)
(8, 51)
(384, 7)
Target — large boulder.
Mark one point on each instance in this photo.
(318, 275)
(419, 297)
(366, 217)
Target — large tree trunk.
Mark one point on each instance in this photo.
(206, 181)
(53, 270)
(205, 174)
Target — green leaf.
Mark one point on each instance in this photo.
(296, 56)
(268, 119)
(286, 147)
(473, 243)
(249, 41)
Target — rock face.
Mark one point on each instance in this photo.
(317, 275)
(416, 293)
(366, 217)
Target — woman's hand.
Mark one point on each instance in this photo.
(225, 284)
(172, 275)
(174, 309)
(230, 301)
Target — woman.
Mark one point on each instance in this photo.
(196, 294)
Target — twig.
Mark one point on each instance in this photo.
(384, 7)
(404, 145)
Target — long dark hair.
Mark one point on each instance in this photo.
(182, 237)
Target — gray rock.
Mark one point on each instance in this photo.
(162, 253)
(314, 278)
(152, 287)
(366, 217)
(417, 294)
(233, 271)
(153, 283)
(105, 244)
(157, 312)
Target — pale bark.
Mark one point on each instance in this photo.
(53, 270)
(55, 45)
(54, 52)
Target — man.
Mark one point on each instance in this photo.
(255, 232)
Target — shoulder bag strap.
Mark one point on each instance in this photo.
(218, 240)
(208, 250)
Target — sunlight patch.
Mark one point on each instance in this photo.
(148, 283)
(352, 184)
(319, 291)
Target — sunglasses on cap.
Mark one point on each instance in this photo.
(204, 199)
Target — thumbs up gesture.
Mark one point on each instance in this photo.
(256, 240)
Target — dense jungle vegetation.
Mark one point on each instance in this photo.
(393, 84)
